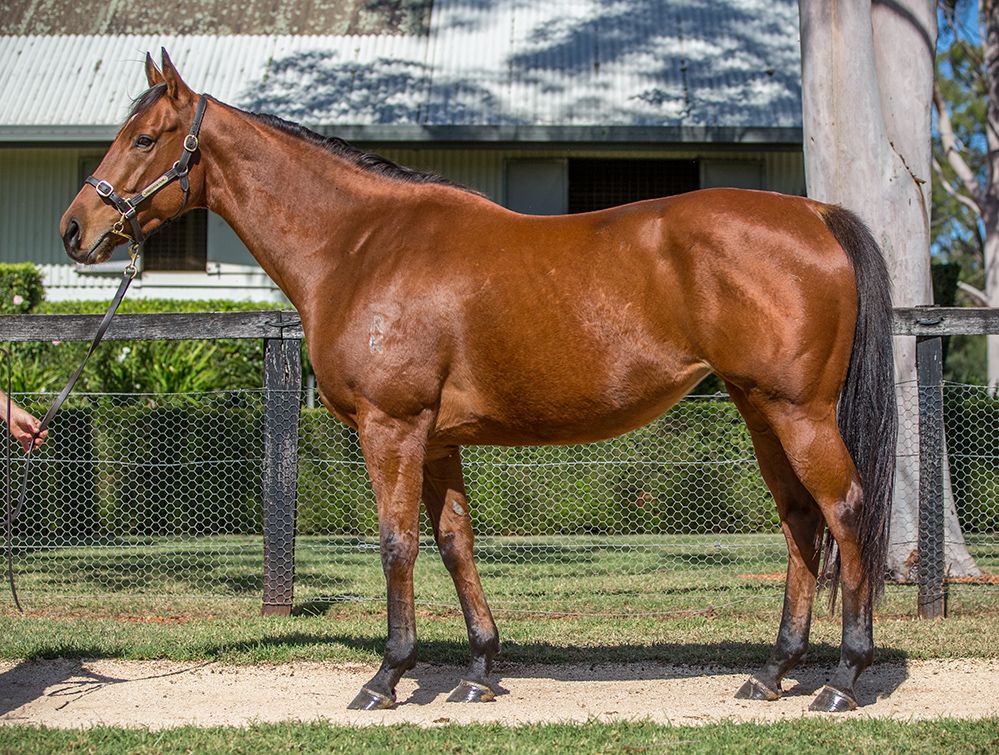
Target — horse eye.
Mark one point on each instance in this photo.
(144, 142)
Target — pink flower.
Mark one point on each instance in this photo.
(18, 300)
(56, 342)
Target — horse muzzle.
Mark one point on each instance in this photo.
(73, 234)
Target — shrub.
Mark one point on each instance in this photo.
(21, 289)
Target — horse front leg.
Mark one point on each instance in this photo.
(446, 502)
(394, 452)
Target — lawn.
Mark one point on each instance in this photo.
(681, 599)
(806, 736)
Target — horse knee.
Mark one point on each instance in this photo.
(399, 550)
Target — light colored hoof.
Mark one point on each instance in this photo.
(754, 689)
(831, 700)
(368, 699)
(471, 692)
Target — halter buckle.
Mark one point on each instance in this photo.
(191, 143)
(104, 189)
(181, 170)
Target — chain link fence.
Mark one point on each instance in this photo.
(150, 497)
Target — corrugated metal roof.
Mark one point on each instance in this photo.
(730, 64)
(222, 17)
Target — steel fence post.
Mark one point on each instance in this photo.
(932, 599)
(282, 404)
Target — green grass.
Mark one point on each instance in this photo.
(805, 736)
(599, 575)
(356, 633)
(679, 599)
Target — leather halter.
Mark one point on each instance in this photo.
(179, 172)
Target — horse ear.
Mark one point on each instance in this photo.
(176, 88)
(153, 75)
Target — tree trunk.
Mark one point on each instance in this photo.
(990, 197)
(867, 85)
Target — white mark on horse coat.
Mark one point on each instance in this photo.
(375, 345)
(457, 509)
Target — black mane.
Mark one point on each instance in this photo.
(147, 99)
(334, 145)
(367, 160)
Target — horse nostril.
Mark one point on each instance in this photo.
(71, 238)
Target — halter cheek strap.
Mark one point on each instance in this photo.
(179, 172)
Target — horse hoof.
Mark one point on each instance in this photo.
(471, 692)
(368, 699)
(754, 689)
(831, 700)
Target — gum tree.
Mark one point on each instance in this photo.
(867, 92)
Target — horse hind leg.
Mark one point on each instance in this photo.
(446, 502)
(815, 449)
(801, 521)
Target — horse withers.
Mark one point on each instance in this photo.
(436, 318)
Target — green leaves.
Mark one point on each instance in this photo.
(21, 288)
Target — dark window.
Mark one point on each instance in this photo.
(180, 245)
(598, 184)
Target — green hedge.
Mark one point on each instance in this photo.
(109, 472)
(21, 288)
(972, 428)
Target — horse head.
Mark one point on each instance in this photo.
(149, 175)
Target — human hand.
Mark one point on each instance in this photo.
(23, 426)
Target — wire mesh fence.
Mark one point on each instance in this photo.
(158, 496)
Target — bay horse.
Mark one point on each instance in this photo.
(435, 319)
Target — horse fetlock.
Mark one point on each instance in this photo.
(787, 657)
(484, 642)
(399, 657)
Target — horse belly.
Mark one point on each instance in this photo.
(556, 398)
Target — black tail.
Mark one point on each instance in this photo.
(868, 417)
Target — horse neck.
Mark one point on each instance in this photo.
(295, 206)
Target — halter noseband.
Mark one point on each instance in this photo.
(129, 207)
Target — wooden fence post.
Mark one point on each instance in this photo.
(282, 397)
(932, 600)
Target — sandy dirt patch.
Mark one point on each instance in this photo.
(73, 693)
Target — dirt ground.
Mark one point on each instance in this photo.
(73, 693)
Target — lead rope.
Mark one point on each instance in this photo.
(13, 512)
